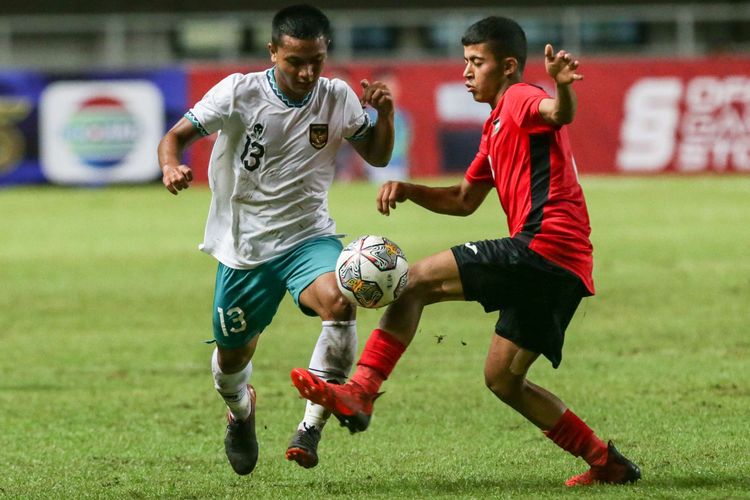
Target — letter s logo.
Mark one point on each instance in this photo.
(648, 133)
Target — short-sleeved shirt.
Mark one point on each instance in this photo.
(272, 164)
(530, 163)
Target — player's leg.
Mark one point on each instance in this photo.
(535, 323)
(312, 284)
(432, 279)
(331, 360)
(245, 301)
(505, 375)
(232, 368)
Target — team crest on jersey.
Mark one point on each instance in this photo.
(495, 126)
(318, 135)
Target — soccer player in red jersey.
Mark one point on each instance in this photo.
(536, 277)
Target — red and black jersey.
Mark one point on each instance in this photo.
(530, 163)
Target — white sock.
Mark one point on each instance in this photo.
(331, 360)
(233, 388)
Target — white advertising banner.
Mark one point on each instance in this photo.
(100, 132)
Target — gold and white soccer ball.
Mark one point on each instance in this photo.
(371, 271)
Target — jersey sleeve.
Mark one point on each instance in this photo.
(522, 104)
(356, 123)
(480, 169)
(210, 113)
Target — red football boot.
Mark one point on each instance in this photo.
(349, 403)
(617, 470)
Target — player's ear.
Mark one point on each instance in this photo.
(510, 66)
(272, 51)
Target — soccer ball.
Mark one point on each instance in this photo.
(371, 271)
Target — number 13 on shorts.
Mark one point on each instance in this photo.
(232, 321)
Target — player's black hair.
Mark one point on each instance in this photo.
(300, 21)
(505, 37)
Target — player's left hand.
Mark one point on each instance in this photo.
(377, 95)
(562, 67)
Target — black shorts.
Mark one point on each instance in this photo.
(536, 298)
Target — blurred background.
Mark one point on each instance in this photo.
(87, 88)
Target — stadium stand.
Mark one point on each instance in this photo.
(113, 34)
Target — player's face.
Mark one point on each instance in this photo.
(484, 77)
(298, 64)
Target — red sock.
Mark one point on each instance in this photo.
(573, 435)
(382, 352)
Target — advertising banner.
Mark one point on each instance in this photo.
(19, 137)
(100, 132)
(669, 116)
(635, 116)
(86, 128)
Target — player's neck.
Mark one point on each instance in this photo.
(505, 86)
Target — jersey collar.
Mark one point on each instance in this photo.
(286, 100)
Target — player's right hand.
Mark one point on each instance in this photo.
(390, 193)
(176, 178)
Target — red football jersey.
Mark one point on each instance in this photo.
(530, 163)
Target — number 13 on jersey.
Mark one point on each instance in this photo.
(252, 154)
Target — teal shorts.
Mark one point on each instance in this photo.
(246, 300)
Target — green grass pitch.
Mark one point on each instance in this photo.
(106, 391)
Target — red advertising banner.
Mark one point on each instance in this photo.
(653, 116)
(639, 116)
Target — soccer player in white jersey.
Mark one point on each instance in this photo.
(268, 224)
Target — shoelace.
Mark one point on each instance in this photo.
(310, 436)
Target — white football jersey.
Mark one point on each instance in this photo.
(272, 163)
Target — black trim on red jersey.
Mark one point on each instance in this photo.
(539, 154)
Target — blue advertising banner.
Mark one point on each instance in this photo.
(86, 128)
(19, 131)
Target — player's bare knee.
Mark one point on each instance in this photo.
(338, 308)
(233, 365)
(507, 388)
(234, 360)
(419, 286)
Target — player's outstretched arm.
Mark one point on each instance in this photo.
(377, 148)
(461, 199)
(563, 69)
(175, 175)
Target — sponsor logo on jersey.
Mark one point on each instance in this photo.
(472, 247)
(318, 135)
